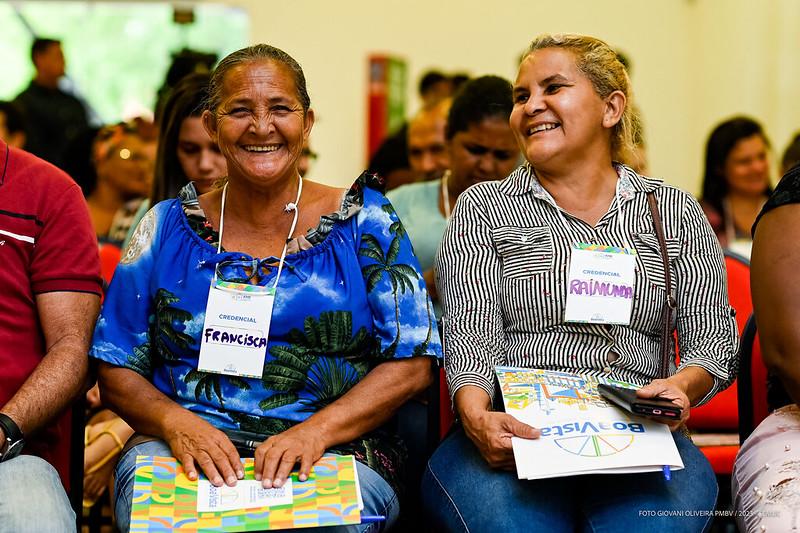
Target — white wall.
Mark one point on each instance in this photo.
(695, 62)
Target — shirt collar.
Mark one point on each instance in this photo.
(524, 181)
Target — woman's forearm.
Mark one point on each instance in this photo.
(136, 400)
(372, 401)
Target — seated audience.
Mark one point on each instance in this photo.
(502, 273)
(12, 125)
(480, 147)
(349, 338)
(765, 480)
(736, 181)
(123, 162)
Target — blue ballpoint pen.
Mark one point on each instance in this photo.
(366, 519)
(667, 472)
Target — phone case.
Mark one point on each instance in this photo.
(627, 399)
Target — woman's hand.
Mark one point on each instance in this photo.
(491, 433)
(275, 457)
(194, 442)
(664, 389)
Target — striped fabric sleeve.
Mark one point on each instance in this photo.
(469, 281)
(706, 324)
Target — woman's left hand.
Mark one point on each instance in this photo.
(664, 389)
(275, 457)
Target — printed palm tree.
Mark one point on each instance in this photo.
(399, 274)
(164, 322)
(328, 380)
(140, 359)
(208, 384)
(290, 369)
(397, 229)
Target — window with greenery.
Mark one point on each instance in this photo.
(117, 53)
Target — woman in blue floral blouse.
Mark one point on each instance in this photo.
(351, 329)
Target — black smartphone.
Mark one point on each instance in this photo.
(627, 399)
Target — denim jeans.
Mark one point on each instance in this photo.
(32, 498)
(462, 493)
(379, 497)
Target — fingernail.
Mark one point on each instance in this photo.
(302, 477)
(258, 476)
(240, 474)
(217, 481)
(277, 483)
(267, 483)
(231, 480)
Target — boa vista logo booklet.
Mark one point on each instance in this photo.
(581, 433)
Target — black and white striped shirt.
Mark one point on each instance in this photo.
(502, 273)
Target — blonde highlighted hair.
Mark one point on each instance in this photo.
(601, 65)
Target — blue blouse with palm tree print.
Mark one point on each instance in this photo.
(354, 298)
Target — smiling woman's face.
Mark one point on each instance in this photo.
(747, 166)
(557, 113)
(260, 123)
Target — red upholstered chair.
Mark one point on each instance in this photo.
(715, 425)
(110, 254)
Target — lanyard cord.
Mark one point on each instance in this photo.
(446, 194)
(291, 206)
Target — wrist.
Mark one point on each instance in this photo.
(12, 438)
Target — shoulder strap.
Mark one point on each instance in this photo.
(669, 302)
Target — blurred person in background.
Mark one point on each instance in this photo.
(479, 146)
(185, 150)
(390, 160)
(434, 86)
(12, 125)
(736, 181)
(53, 118)
(427, 150)
(184, 63)
(458, 79)
(124, 164)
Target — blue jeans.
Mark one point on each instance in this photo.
(32, 498)
(379, 497)
(462, 493)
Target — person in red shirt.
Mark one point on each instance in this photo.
(49, 299)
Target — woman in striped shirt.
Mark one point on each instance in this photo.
(503, 270)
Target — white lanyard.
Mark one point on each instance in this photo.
(238, 315)
(291, 206)
(446, 194)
